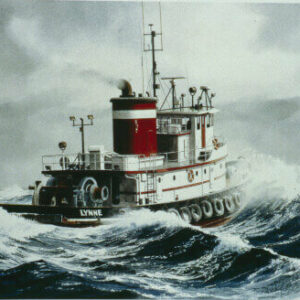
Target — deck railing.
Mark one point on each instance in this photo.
(112, 161)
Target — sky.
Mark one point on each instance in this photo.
(62, 58)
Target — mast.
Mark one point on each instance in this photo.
(154, 71)
(153, 34)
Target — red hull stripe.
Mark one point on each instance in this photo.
(148, 192)
(177, 187)
(178, 168)
(184, 186)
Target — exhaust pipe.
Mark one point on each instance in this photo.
(125, 87)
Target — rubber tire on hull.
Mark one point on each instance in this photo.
(237, 199)
(174, 211)
(185, 214)
(218, 207)
(207, 209)
(229, 204)
(196, 212)
(104, 193)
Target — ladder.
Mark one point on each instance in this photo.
(151, 187)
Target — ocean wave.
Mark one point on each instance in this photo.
(14, 194)
(155, 254)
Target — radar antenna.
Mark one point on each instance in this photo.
(172, 89)
(208, 98)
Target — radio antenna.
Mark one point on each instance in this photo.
(153, 34)
(143, 47)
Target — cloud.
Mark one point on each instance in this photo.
(269, 127)
(281, 26)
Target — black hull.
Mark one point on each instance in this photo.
(93, 216)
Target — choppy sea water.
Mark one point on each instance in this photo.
(155, 255)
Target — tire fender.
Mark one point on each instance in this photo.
(229, 204)
(104, 193)
(237, 199)
(196, 212)
(185, 214)
(218, 207)
(207, 209)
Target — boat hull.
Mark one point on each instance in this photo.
(94, 216)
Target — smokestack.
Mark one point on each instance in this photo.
(125, 87)
(134, 123)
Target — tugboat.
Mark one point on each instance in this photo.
(162, 159)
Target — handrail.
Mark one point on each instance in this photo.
(114, 161)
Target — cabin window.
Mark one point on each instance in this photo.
(174, 177)
(196, 173)
(159, 179)
(189, 125)
(204, 171)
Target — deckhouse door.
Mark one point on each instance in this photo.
(159, 187)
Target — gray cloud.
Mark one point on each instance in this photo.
(269, 127)
(281, 28)
(14, 62)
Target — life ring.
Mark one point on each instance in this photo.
(185, 214)
(174, 211)
(191, 176)
(104, 193)
(229, 205)
(207, 209)
(237, 199)
(196, 212)
(218, 207)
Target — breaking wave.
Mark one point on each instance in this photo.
(145, 254)
(15, 194)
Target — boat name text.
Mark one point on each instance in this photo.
(90, 212)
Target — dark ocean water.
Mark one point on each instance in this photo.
(155, 255)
